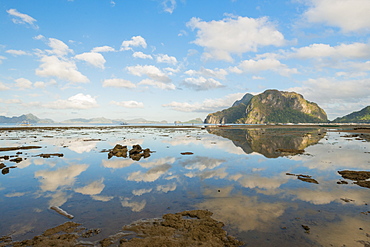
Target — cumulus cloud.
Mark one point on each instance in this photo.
(216, 73)
(164, 58)
(17, 52)
(78, 101)
(169, 5)
(57, 64)
(59, 48)
(342, 51)
(103, 49)
(208, 105)
(151, 175)
(234, 35)
(93, 58)
(158, 84)
(135, 206)
(128, 104)
(118, 83)
(20, 18)
(201, 83)
(60, 68)
(254, 66)
(331, 89)
(3, 87)
(134, 42)
(150, 71)
(348, 15)
(23, 83)
(140, 54)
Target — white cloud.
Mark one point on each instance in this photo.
(158, 84)
(164, 58)
(135, 41)
(150, 71)
(103, 49)
(328, 90)
(208, 105)
(140, 54)
(11, 101)
(93, 58)
(234, 35)
(150, 175)
(201, 83)
(217, 73)
(254, 66)
(166, 188)
(59, 48)
(17, 52)
(169, 5)
(38, 37)
(346, 51)
(118, 83)
(78, 101)
(61, 68)
(3, 87)
(1, 59)
(40, 84)
(23, 83)
(128, 104)
(141, 192)
(348, 15)
(22, 18)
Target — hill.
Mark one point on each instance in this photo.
(30, 118)
(271, 106)
(362, 116)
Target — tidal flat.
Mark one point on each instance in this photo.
(216, 186)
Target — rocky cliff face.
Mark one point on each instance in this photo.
(271, 106)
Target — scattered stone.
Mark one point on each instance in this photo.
(136, 153)
(187, 153)
(16, 160)
(50, 155)
(18, 148)
(360, 177)
(342, 182)
(5, 171)
(347, 200)
(306, 228)
(2, 165)
(308, 180)
(6, 157)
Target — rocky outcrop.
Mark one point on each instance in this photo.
(271, 106)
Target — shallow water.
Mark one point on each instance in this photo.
(238, 174)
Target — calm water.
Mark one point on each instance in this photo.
(240, 175)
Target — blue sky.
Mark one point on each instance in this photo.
(179, 59)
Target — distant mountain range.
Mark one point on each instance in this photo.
(32, 119)
(271, 106)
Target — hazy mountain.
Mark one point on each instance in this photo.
(30, 118)
(362, 116)
(271, 106)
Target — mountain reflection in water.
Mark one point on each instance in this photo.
(271, 143)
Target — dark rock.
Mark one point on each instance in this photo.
(16, 160)
(135, 149)
(2, 165)
(5, 171)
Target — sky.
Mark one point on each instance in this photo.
(178, 60)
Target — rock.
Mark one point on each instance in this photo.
(118, 151)
(135, 149)
(50, 155)
(16, 160)
(2, 165)
(5, 171)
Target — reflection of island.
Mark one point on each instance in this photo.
(271, 143)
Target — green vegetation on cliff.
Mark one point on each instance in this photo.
(362, 116)
(271, 106)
